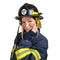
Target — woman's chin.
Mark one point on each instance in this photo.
(27, 30)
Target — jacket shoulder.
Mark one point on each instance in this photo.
(43, 37)
(43, 41)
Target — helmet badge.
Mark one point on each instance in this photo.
(23, 11)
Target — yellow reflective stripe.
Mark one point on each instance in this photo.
(39, 56)
(36, 54)
(13, 51)
(36, 58)
(21, 50)
(23, 55)
(34, 13)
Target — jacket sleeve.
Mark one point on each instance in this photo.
(17, 38)
(21, 44)
(42, 47)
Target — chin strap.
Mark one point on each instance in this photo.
(20, 30)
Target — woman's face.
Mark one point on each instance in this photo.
(28, 23)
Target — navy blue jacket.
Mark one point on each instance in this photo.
(32, 40)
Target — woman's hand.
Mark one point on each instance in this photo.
(34, 28)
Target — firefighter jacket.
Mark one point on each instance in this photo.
(33, 46)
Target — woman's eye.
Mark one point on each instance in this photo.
(30, 21)
(23, 22)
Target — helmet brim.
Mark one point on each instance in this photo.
(20, 17)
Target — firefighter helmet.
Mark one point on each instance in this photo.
(28, 10)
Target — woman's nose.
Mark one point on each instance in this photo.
(27, 24)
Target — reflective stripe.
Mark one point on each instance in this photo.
(23, 52)
(35, 55)
(38, 56)
(12, 51)
(23, 55)
(34, 13)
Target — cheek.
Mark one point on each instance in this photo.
(32, 24)
(27, 28)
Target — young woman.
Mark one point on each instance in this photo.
(30, 44)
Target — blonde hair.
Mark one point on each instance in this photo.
(38, 22)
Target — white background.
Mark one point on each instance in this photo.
(50, 25)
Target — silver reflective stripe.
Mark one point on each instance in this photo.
(22, 52)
